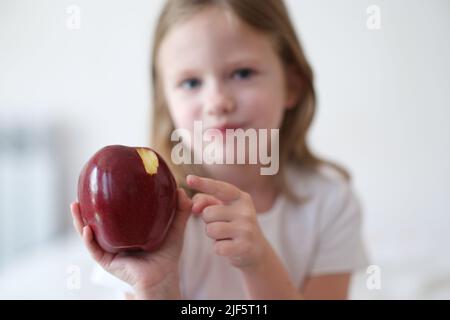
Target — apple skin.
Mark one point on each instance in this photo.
(127, 208)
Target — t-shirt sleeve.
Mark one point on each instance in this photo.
(339, 246)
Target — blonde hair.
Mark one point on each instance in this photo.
(272, 18)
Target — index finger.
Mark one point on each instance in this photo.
(221, 190)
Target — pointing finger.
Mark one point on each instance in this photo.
(223, 191)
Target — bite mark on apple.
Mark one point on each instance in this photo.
(149, 159)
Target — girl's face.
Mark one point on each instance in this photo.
(222, 72)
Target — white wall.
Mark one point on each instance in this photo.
(93, 82)
(383, 107)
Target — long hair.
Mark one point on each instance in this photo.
(272, 18)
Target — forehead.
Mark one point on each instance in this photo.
(212, 36)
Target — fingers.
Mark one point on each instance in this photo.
(202, 200)
(85, 232)
(217, 213)
(183, 210)
(223, 191)
(220, 230)
(87, 235)
(184, 203)
(94, 249)
(224, 247)
(76, 216)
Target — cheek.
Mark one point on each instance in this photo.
(184, 112)
(264, 108)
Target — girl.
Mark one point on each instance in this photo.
(292, 235)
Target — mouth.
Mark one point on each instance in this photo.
(231, 126)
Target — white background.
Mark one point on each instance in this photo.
(383, 112)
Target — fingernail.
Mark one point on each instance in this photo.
(190, 178)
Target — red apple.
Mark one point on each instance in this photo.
(128, 196)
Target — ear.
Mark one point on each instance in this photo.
(294, 87)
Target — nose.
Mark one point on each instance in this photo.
(218, 101)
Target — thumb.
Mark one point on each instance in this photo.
(183, 212)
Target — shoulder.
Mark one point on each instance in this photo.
(337, 218)
(321, 183)
(330, 196)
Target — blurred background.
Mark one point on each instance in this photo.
(74, 77)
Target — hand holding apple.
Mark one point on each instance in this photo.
(151, 274)
(132, 217)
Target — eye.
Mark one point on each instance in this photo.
(243, 73)
(190, 84)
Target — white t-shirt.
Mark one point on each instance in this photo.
(320, 236)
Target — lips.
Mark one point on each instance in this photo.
(224, 127)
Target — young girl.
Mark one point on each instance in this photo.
(237, 233)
